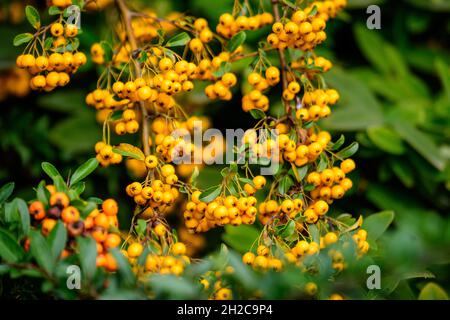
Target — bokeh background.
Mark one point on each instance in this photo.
(395, 89)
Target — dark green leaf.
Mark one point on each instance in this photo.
(141, 227)
(88, 256)
(285, 184)
(24, 216)
(84, 170)
(129, 150)
(33, 17)
(348, 151)
(5, 191)
(178, 40)
(10, 250)
(386, 139)
(237, 40)
(376, 224)
(41, 251)
(124, 267)
(240, 238)
(339, 142)
(57, 239)
(50, 170)
(288, 229)
(422, 143)
(42, 194)
(53, 10)
(257, 114)
(210, 194)
(22, 38)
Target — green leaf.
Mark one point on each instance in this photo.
(242, 272)
(257, 114)
(357, 102)
(22, 38)
(223, 68)
(285, 184)
(246, 180)
(42, 194)
(432, 291)
(33, 17)
(371, 45)
(178, 40)
(348, 151)
(376, 224)
(288, 230)
(71, 46)
(116, 115)
(50, 170)
(443, 71)
(210, 194)
(124, 267)
(57, 239)
(422, 143)
(386, 139)
(141, 227)
(323, 163)
(313, 11)
(315, 233)
(237, 40)
(240, 238)
(11, 212)
(88, 256)
(5, 191)
(84, 170)
(129, 150)
(339, 142)
(53, 11)
(302, 171)
(41, 251)
(174, 287)
(24, 216)
(90, 206)
(10, 250)
(78, 188)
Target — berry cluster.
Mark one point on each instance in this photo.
(51, 70)
(230, 25)
(331, 183)
(312, 64)
(168, 264)
(157, 195)
(286, 210)
(305, 29)
(106, 155)
(128, 123)
(97, 224)
(263, 260)
(202, 216)
(98, 53)
(302, 153)
(255, 99)
(315, 104)
(221, 88)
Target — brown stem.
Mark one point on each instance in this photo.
(126, 16)
(283, 65)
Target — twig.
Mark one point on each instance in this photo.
(283, 64)
(126, 16)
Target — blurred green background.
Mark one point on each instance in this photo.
(395, 101)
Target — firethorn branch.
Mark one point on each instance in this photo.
(283, 65)
(126, 17)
